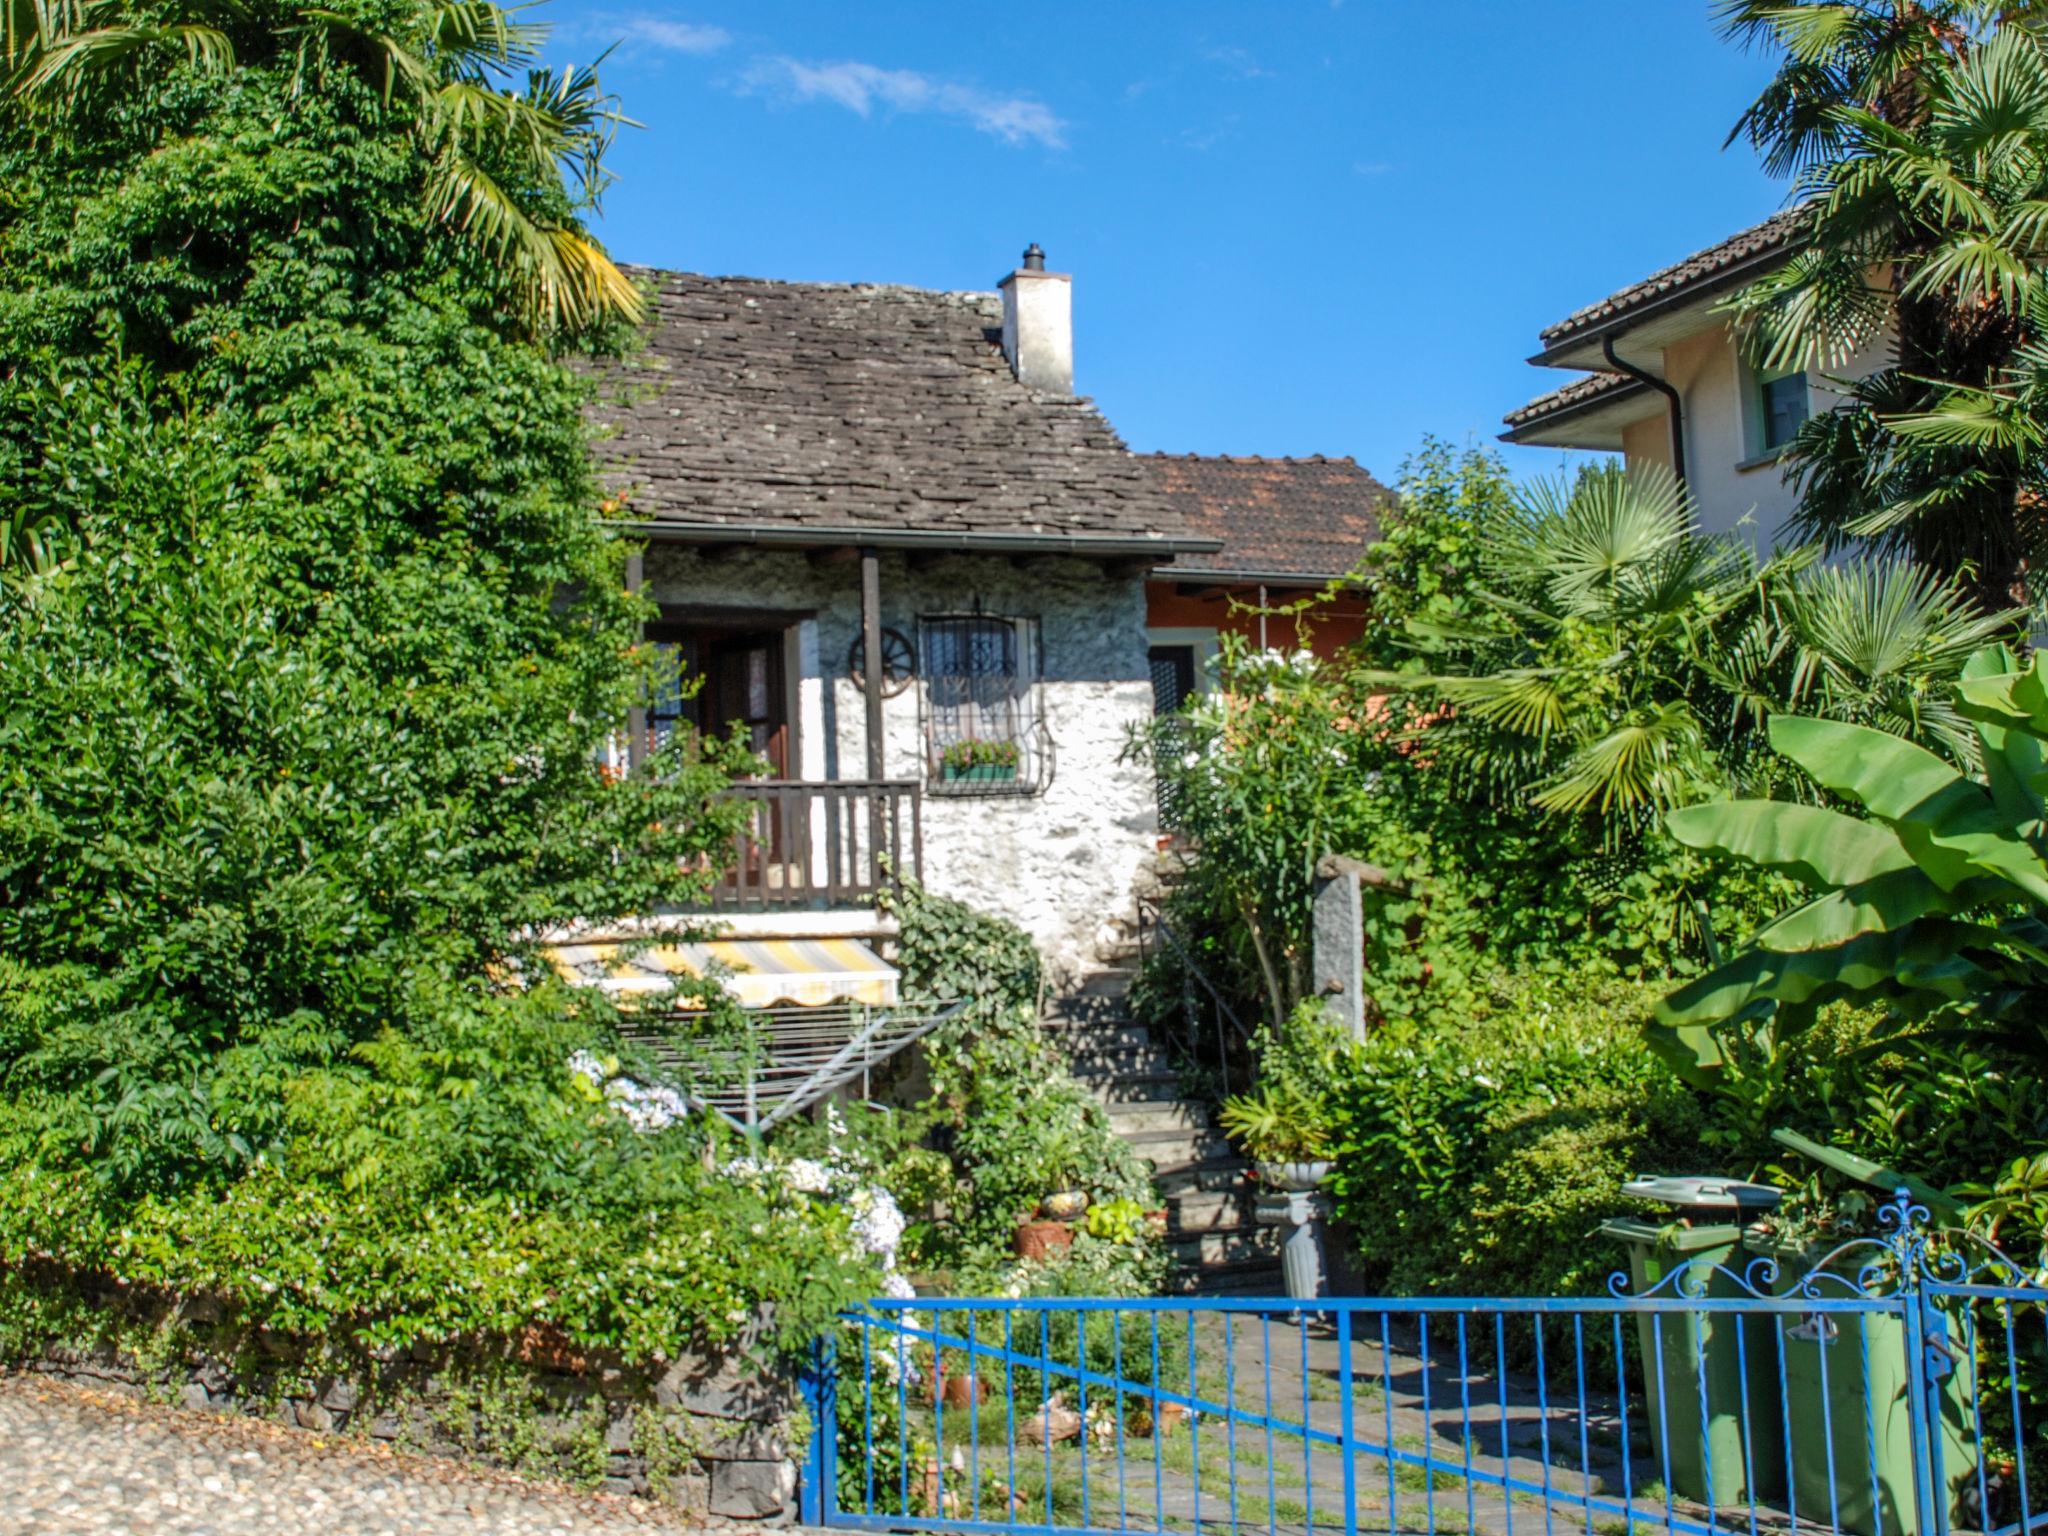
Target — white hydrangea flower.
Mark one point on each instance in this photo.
(808, 1176)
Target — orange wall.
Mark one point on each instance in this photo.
(1331, 625)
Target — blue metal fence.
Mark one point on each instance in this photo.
(1893, 1386)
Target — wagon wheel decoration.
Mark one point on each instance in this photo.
(899, 663)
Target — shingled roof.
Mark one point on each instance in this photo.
(823, 413)
(1729, 257)
(1310, 519)
(1594, 387)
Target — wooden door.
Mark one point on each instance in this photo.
(744, 683)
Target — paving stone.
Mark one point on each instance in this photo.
(79, 1461)
(751, 1489)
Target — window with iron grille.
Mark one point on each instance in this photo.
(983, 726)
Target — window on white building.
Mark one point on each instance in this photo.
(983, 727)
(1781, 409)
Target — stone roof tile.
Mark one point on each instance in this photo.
(827, 405)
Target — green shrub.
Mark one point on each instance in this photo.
(1480, 1161)
(1014, 1119)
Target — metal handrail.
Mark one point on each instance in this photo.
(1152, 919)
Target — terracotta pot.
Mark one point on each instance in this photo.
(1043, 1239)
(1064, 1204)
(1155, 1224)
(963, 1391)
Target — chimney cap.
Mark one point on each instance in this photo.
(1034, 257)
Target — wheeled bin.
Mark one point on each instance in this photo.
(1847, 1392)
(1710, 1386)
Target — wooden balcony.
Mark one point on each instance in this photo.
(820, 845)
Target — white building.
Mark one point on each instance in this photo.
(1666, 383)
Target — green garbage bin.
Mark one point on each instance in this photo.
(1713, 1449)
(1846, 1384)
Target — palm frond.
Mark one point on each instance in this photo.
(75, 58)
(1648, 763)
(1974, 418)
(1522, 702)
(570, 282)
(30, 27)
(1613, 525)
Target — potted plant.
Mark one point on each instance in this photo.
(975, 760)
(1060, 1149)
(1284, 1128)
(1056, 1150)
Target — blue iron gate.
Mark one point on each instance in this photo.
(1893, 1387)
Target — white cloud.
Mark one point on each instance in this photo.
(1239, 61)
(656, 31)
(860, 88)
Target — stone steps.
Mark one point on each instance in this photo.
(1177, 1148)
(1218, 1249)
(1116, 1089)
(1140, 1115)
(1119, 1061)
(1237, 1245)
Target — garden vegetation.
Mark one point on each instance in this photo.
(1684, 843)
(311, 642)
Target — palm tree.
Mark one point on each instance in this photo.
(1916, 135)
(1619, 663)
(497, 160)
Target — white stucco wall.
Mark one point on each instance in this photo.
(1734, 487)
(1063, 862)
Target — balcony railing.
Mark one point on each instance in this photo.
(832, 844)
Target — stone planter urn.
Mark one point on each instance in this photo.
(1064, 1205)
(1295, 1178)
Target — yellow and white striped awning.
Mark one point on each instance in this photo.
(759, 973)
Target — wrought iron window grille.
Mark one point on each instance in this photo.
(981, 709)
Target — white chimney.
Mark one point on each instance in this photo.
(1038, 325)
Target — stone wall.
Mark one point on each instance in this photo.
(713, 1437)
(1062, 863)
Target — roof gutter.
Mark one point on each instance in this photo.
(1205, 575)
(1082, 546)
(1663, 387)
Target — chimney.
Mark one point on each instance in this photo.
(1038, 325)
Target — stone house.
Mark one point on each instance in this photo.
(1667, 383)
(838, 483)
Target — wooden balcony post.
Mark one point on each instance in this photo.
(871, 676)
(636, 717)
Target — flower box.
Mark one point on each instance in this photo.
(978, 773)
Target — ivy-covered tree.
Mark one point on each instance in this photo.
(306, 700)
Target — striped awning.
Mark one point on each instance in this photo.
(759, 973)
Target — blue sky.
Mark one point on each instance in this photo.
(1294, 227)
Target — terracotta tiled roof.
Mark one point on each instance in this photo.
(1759, 240)
(1311, 517)
(849, 409)
(1594, 386)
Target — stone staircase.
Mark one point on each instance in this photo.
(1206, 1186)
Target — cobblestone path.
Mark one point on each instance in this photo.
(74, 1461)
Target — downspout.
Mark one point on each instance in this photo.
(1663, 387)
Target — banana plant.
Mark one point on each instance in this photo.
(1933, 900)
